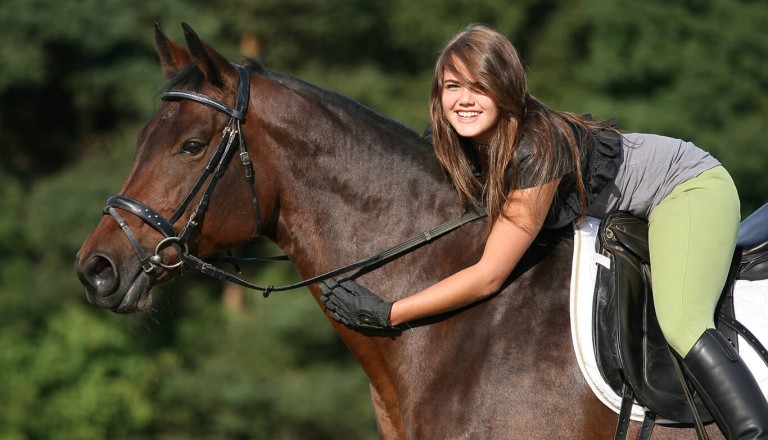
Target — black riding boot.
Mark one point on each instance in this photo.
(727, 387)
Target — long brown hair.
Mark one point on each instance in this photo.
(497, 72)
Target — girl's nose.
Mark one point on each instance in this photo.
(466, 97)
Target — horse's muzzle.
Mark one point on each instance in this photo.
(105, 287)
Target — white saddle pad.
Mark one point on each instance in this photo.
(750, 307)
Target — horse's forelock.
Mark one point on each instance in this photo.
(190, 77)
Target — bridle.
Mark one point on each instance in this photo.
(231, 138)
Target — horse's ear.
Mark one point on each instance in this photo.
(212, 63)
(172, 56)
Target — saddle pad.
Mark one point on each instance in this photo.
(750, 308)
(583, 275)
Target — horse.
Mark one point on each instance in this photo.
(331, 181)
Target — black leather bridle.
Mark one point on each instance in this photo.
(231, 139)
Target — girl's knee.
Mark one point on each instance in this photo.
(682, 334)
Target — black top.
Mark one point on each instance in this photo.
(600, 159)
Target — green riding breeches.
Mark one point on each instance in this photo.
(692, 235)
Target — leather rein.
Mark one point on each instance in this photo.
(231, 139)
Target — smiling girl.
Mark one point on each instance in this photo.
(534, 167)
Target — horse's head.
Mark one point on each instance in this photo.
(181, 171)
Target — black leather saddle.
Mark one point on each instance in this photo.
(632, 354)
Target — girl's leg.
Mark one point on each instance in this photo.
(692, 234)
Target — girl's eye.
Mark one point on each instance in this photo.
(452, 87)
(193, 147)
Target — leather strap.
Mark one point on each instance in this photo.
(746, 334)
(649, 421)
(698, 424)
(209, 168)
(622, 425)
(241, 106)
(144, 212)
(248, 171)
(144, 259)
(397, 250)
(180, 95)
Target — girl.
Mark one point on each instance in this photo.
(531, 167)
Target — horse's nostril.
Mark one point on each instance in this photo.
(99, 263)
(100, 274)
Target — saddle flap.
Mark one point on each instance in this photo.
(629, 344)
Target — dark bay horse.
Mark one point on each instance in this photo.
(333, 183)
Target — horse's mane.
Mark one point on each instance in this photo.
(335, 100)
(192, 76)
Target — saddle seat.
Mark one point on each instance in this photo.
(630, 349)
(751, 256)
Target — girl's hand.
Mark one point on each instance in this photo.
(355, 306)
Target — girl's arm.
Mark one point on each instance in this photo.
(506, 244)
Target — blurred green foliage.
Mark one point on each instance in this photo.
(77, 80)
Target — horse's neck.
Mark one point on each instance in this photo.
(350, 188)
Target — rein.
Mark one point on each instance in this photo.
(395, 251)
(215, 168)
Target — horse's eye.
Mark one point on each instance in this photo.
(192, 147)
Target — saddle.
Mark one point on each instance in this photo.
(632, 354)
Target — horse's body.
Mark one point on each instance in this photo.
(335, 183)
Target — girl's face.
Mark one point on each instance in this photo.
(471, 114)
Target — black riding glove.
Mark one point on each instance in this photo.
(355, 306)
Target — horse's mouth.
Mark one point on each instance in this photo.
(138, 297)
(135, 297)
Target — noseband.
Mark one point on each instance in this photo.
(231, 137)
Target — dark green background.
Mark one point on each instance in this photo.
(78, 79)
